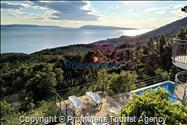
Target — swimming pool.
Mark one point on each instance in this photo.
(169, 86)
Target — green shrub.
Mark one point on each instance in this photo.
(155, 104)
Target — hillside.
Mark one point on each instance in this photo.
(169, 29)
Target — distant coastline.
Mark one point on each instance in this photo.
(32, 38)
(89, 27)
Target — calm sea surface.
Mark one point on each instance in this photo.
(28, 40)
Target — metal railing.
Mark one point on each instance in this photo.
(179, 52)
(181, 77)
(180, 89)
(82, 89)
(65, 109)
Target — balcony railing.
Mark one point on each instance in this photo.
(181, 86)
(181, 77)
(179, 53)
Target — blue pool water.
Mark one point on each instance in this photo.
(168, 86)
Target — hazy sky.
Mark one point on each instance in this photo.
(150, 14)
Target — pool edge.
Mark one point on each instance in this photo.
(150, 86)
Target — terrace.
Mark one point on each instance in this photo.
(107, 106)
(101, 104)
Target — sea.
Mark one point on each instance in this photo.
(29, 40)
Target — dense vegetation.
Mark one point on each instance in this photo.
(155, 104)
(33, 77)
(10, 115)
